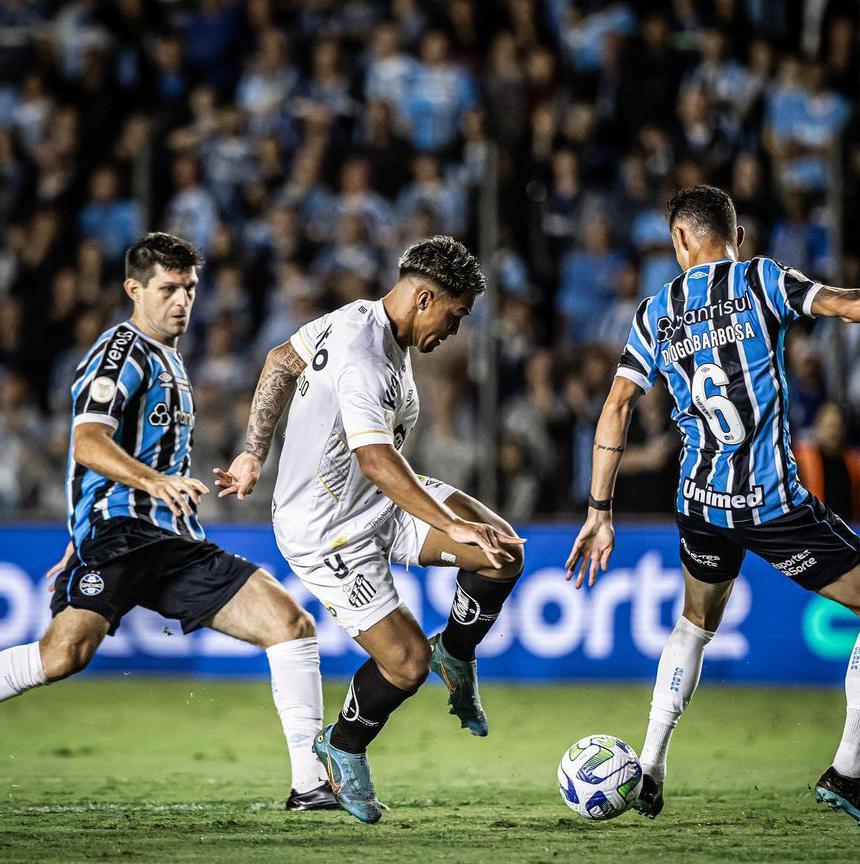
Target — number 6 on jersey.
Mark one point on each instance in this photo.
(713, 407)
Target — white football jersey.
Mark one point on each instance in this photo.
(357, 389)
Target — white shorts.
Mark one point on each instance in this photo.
(355, 582)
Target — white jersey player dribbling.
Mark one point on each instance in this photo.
(347, 503)
(335, 528)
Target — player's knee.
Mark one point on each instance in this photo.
(410, 667)
(62, 658)
(513, 569)
(294, 623)
(303, 625)
(704, 619)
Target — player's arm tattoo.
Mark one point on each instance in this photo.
(272, 397)
(608, 447)
(837, 302)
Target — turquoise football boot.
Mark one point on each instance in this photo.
(461, 679)
(349, 776)
(840, 793)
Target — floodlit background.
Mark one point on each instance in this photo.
(302, 145)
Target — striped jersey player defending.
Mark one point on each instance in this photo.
(715, 335)
(347, 503)
(136, 540)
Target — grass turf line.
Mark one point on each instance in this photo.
(139, 769)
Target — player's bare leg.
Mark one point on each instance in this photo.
(263, 614)
(398, 665)
(67, 647)
(677, 678)
(481, 591)
(839, 786)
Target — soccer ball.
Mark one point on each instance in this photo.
(599, 777)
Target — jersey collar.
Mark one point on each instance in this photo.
(382, 317)
(710, 264)
(150, 339)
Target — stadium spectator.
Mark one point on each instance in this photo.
(302, 145)
(827, 466)
(114, 222)
(589, 280)
(437, 96)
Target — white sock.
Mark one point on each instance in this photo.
(847, 758)
(677, 677)
(20, 670)
(297, 691)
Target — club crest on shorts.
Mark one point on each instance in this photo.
(91, 583)
(361, 592)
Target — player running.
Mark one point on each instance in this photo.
(716, 334)
(347, 503)
(132, 504)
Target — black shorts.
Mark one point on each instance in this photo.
(129, 562)
(810, 545)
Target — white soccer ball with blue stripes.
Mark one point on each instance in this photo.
(599, 777)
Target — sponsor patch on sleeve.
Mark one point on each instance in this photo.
(102, 389)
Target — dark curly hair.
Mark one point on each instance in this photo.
(706, 208)
(445, 261)
(173, 253)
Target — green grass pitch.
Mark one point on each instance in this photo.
(141, 769)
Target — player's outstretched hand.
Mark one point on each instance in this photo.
(488, 538)
(58, 568)
(241, 478)
(592, 547)
(172, 490)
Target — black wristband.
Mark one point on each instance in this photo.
(605, 504)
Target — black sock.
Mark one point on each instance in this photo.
(476, 606)
(369, 702)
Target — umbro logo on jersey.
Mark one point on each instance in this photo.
(165, 377)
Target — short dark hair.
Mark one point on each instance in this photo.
(706, 208)
(173, 253)
(445, 261)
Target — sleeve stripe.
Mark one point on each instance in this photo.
(808, 300)
(638, 356)
(104, 419)
(632, 361)
(640, 322)
(112, 366)
(134, 362)
(634, 376)
(763, 291)
(371, 432)
(304, 341)
(119, 374)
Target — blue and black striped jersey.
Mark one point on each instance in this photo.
(716, 335)
(139, 388)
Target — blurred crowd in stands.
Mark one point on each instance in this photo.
(301, 144)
